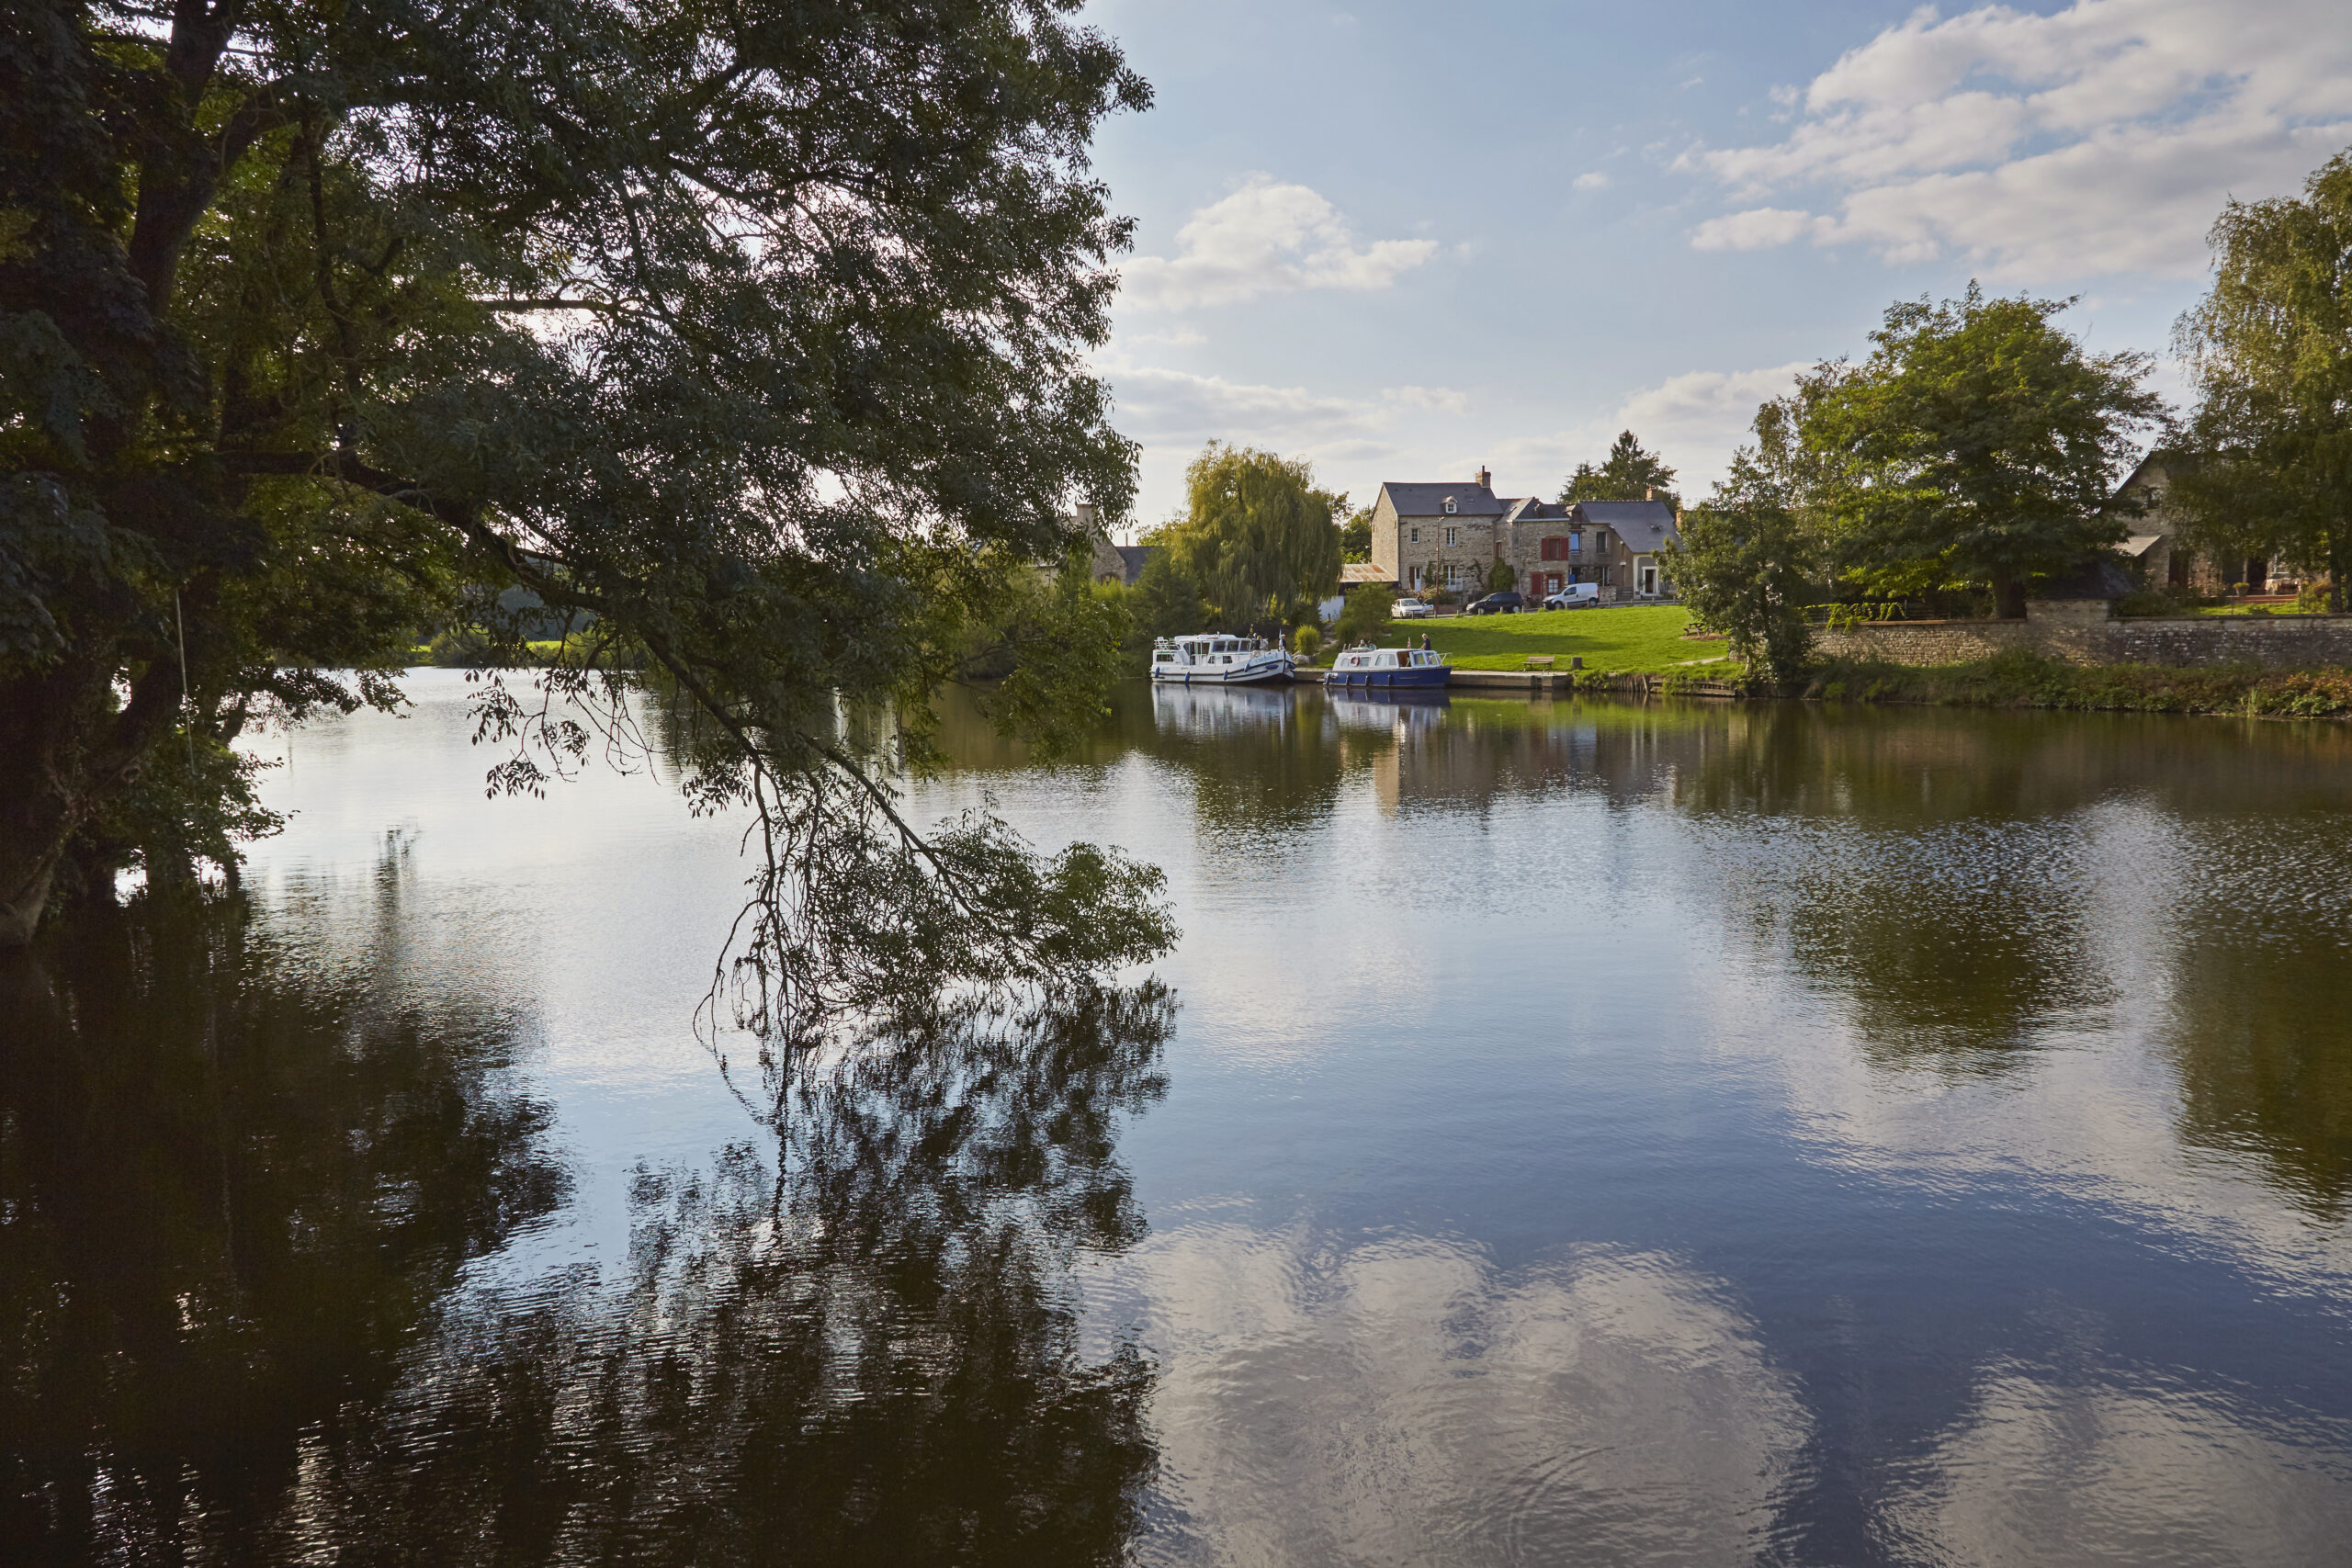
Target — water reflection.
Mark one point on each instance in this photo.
(1404, 1400)
(241, 1325)
(229, 1201)
(2125, 1475)
(1600, 1132)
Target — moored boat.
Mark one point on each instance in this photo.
(1218, 659)
(1389, 668)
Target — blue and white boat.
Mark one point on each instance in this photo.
(1389, 669)
(1219, 660)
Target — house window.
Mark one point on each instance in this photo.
(1452, 536)
(1417, 536)
(1555, 548)
(1449, 506)
(1575, 542)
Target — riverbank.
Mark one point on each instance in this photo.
(2017, 679)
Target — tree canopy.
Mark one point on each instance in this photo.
(2268, 449)
(1747, 565)
(753, 331)
(1629, 472)
(1257, 536)
(1978, 444)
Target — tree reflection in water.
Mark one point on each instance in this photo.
(239, 1325)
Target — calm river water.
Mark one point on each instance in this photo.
(1573, 1133)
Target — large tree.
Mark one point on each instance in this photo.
(1257, 536)
(1747, 565)
(2269, 466)
(1978, 444)
(1629, 472)
(753, 330)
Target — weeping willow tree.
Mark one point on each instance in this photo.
(1260, 540)
(2270, 448)
(751, 335)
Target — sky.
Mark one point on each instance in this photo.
(1404, 240)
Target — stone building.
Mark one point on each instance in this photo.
(2161, 552)
(1451, 535)
(1118, 564)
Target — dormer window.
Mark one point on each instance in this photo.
(1449, 506)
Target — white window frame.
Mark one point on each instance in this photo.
(1452, 537)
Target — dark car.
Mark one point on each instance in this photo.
(1507, 602)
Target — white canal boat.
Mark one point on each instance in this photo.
(1219, 660)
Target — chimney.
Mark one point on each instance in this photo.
(1650, 492)
(1484, 478)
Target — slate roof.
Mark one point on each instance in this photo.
(1534, 509)
(1471, 499)
(1644, 524)
(1136, 557)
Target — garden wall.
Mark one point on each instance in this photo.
(2282, 642)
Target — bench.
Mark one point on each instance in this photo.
(1541, 661)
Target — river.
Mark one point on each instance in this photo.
(1569, 1132)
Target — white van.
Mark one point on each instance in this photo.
(1575, 596)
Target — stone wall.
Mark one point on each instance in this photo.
(2281, 642)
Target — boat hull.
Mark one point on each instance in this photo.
(1424, 677)
(1252, 675)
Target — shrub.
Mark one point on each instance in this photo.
(2311, 598)
(2149, 601)
(1365, 618)
(1308, 640)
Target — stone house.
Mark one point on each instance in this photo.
(1451, 535)
(2159, 551)
(1120, 564)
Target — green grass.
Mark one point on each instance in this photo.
(1615, 637)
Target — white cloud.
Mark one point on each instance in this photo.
(1158, 406)
(1173, 338)
(1265, 239)
(1705, 408)
(2101, 139)
(1757, 229)
(1443, 400)
(1693, 420)
(1594, 180)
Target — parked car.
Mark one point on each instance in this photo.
(1408, 610)
(1575, 596)
(1508, 603)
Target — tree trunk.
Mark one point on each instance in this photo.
(2008, 598)
(64, 748)
(2339, 557)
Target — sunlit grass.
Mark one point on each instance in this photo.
(1614, 637)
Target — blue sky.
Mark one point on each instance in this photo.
(1405, 239)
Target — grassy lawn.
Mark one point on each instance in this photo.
(1614, 637)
